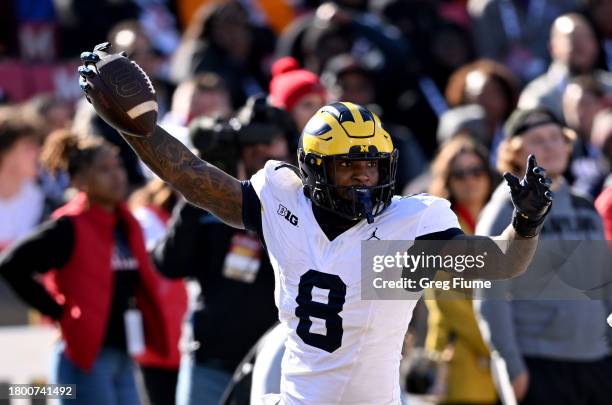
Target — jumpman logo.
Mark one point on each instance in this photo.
(373, 236)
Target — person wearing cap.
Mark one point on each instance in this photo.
(555, 350)
(296, 90)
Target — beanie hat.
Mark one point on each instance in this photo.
(290, 83)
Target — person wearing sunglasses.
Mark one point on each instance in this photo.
(556, 350)
(461, 174)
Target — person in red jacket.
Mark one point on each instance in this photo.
(99, 283)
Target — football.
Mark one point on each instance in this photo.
(122, 94)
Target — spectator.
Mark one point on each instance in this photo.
(583, 98)
(205, 95)
(573, 49)
(417, 21)
(130, 37)
(22, 201)
(549, 358)
(160, 25)
(151, 206)
(342, 26)
(88, 124)
(296, 90)
(97, 270)
(469, 119)
(515, 33)
(599, 13)
(261, 122)
(48, 112)
(36, 30)
(462, 175)
(601, 139)
(601, 133)
(236, 304)
(221, 39)
(348, 79)
(466, 121)
(437, 49)
(82, 23)
(489, 85)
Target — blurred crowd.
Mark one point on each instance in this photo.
(466, 88)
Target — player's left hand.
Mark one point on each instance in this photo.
(532, 198)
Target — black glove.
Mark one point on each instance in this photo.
(90, 58)
(119, 90)
(531, 197)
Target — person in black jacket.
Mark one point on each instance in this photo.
(236, 303)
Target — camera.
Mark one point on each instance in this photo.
(220, 142)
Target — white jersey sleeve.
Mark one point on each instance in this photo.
(436, 217)
(276, 179)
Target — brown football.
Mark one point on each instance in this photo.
(123, 95)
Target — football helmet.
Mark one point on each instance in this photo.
(346, 131)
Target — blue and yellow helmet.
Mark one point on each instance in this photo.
(346, 131)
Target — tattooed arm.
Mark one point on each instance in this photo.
(201, 183)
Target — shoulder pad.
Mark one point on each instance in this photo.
(423, 200)
(278, 178)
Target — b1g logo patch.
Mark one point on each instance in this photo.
(285, 213)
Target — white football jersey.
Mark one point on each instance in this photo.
(340, 349)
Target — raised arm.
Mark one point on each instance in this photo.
(201, 183)
(509, 254)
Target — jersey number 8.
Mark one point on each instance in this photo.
(330, 311)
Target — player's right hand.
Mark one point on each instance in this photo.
(87, 70)
(119, 90)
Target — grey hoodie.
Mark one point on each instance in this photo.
(553, 329)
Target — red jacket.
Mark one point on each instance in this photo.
(174, 294)
(84, 286)
(603, 204)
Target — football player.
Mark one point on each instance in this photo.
(340, 348)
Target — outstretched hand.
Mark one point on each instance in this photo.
(532, 198)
